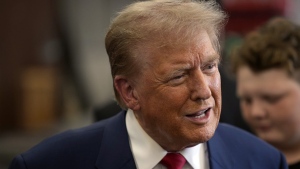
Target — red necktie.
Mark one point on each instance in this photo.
(173, 161)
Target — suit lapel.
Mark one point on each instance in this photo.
(115, 152)
(220, 156)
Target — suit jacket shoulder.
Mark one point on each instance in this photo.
(99, 145)
(233, 148)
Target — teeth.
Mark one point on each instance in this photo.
(200, 116)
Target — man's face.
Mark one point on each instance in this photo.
(179, 94)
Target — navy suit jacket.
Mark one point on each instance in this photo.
(105, 145)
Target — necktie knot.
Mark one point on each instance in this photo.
(173, 161)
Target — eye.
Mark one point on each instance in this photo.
(246, 100)
(177, 79)
(272, 99)
(210, 68)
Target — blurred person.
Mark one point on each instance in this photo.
(267, 69)
(164, 58)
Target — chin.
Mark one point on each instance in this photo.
(203, 136)
(208, 133)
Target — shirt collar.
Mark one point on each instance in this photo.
(147, 153)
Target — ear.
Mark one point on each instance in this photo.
(127, 92)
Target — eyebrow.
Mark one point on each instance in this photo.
(212, 58)
(184, 67)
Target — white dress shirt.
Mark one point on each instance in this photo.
(147, 153)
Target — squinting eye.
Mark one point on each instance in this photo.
(177, 77)
(177, 80)
(272, 99)
(211, 66)
(246, 100)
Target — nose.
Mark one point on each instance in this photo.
(200, 89)
(257, 109)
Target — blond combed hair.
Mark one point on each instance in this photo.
(158, 23)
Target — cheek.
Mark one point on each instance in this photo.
(286, 112)
(215, 81)
(174, 98)
(215, 87)
(245, 110)
(166, 98)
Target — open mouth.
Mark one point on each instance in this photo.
(199, 114)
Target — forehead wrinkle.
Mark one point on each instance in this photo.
(207, 59)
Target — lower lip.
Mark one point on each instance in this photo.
(264, 129)
(201, 120)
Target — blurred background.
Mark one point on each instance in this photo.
(54, 71)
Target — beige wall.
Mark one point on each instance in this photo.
(86, 22)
